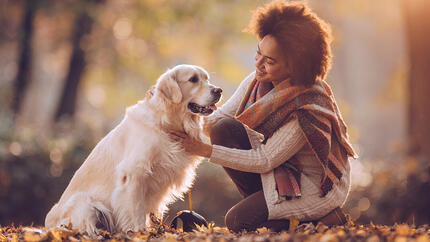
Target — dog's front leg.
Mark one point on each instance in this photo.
(128, 197)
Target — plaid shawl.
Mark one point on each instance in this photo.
(265, 108)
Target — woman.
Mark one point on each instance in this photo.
(280, 137)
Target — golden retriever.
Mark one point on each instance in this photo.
(137, 169)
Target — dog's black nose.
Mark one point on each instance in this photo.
(216, 91)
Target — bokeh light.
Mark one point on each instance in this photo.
(122, 28)
(15, 148)
(56, 156)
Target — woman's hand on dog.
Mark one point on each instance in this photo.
(191, 145)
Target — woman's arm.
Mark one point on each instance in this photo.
(283, 144)
(229, 108)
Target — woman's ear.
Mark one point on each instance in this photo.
(168, 86)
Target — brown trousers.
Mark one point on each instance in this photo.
(251, 212)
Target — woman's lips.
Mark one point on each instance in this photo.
(259, 73)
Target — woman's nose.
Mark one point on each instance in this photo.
(258, 61)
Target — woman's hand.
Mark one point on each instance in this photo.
(191, 145)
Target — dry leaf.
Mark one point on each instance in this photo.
(14, 237)
(285, 236)
(329, 238)
(402, 230)
(294, 223)
(304, 232)
(201, 228)
(373, 238)
(3, 238)
(31, 236)
(56, 235)
(340, 233)
(321, 228)
(361, 233)
(423, 238)
(401, 239)
(221, 230)
(263, 230)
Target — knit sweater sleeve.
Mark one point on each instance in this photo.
(283, 144)
(229, 108)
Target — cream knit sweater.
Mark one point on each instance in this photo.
(287, 141)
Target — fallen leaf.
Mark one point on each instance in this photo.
(423, 238)
(328, 238)
(285, 236)
(361, 233)
(31, 236)
(14, 237)
(294, 223)
(3, 238)
(373, 238)
(402, 230)
(263, 230)
(400, 239)
(340, 233)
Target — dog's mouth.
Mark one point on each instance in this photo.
(204, 110)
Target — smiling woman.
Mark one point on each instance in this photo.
(297, 37)
(280, 137)
(271, 65)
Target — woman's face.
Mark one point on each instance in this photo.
(271, 65)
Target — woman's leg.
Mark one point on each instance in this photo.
(230, 133)
(251, 213)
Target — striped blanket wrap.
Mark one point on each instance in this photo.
(265, 108)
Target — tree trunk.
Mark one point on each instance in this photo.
(82, 26)
(23, 76)
(417, 195)
(418, 33)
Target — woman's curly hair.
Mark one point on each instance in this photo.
(304, 38)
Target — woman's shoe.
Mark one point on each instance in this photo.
(335, 217)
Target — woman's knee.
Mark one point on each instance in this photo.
(230, 133)
(224, 127)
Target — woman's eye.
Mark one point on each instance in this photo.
(194, 79)
(257, 55)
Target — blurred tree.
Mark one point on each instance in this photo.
(418, 30)
(418, 183)
(82, 27)
(23, 75)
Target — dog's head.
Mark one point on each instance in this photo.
(189, 85)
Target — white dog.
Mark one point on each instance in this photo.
(137, 169)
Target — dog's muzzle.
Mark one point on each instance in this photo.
(208, 109)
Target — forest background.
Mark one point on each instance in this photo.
(68, 70)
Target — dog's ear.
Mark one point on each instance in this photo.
(168, 86)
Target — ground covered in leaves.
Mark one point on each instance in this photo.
(303, 232)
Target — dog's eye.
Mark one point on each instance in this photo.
(194, 79)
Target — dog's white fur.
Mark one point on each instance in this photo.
(137, 168)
